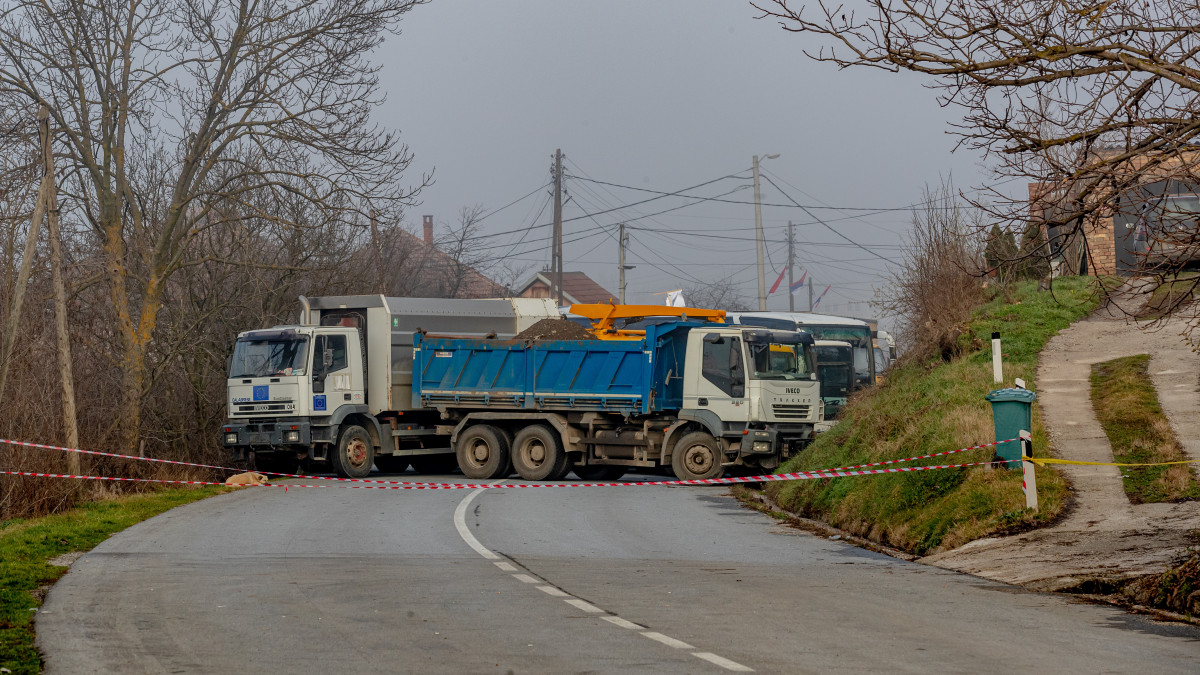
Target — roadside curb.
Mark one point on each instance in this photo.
(759, 501)
(756, 499)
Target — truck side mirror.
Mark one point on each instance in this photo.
(327, 358)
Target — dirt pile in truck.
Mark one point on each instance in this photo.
(554, 329)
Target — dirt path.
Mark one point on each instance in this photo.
(1102, 535)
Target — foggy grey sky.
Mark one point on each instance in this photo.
(662, 95)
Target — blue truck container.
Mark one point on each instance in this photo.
(622, 376)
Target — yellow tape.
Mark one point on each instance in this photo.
(1041, 461)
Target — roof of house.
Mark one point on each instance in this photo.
(577, 287)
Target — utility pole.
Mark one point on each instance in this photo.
(378, 252)
(810, 285)
(66, 377)
(622, 242)
(758, 239)
(556, 257)
(791, 299)
(45, 207)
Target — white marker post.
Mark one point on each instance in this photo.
(997, 366)
(1029, 479)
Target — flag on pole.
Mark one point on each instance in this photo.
(822, 295)
(799, 284)
(776, 286)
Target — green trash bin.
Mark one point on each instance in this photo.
(1012, 412)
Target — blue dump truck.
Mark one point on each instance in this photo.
(367, 381)
(696, 397)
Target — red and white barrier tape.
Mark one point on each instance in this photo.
(913, 459)
(205, 466)
(394, 484)
(472, 486)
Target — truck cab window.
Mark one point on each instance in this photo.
(336, 343)
(722, 365)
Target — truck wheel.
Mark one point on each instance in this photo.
(354, 454)
(391, 463)
(537, 454)
(697, 456)
(434, 464)
(483, 451)
(599, 473)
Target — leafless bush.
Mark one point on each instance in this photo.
(939, 281)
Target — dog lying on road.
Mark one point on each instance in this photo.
(248, 478)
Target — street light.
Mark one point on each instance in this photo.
(758, 235)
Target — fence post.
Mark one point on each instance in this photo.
(1029, 478)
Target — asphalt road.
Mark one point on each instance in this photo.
(591, 580)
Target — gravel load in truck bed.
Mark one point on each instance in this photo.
(555, 329)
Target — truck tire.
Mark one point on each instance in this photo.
(483, 451)
(537, 454)
(434, 464)
(354, 454)
(599, 473)
(391, 463)
(697, 456)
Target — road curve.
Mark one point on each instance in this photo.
(596, 580)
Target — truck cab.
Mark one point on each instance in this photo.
(288, 384)
(752, 386)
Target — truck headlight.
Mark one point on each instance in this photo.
(291, 437)
(762, 446)
(231, 438)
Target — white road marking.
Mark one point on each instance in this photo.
(584, 605)
(460, 524)
(723, 662)
(623, 623)
(667, 640)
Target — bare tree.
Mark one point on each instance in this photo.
(720, 294)
(462, 263)
(176, 117)
(1094, 103)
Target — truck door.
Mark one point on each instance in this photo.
(332, 381)
(721, 386)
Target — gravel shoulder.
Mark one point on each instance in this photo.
(1102, 536)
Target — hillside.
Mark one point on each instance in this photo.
(935, 406)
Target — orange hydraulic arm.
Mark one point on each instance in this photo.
(603, 317)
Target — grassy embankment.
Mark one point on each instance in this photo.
(933, 407)
(1126, 404)
(27, 546)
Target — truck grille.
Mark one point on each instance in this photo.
(791, 412)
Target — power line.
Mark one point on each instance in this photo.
(827, 226)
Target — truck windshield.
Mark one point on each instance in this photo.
(775, 361)
(261, 357)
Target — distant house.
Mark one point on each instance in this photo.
(577, 287)
(420, 269)
(1110, 241)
